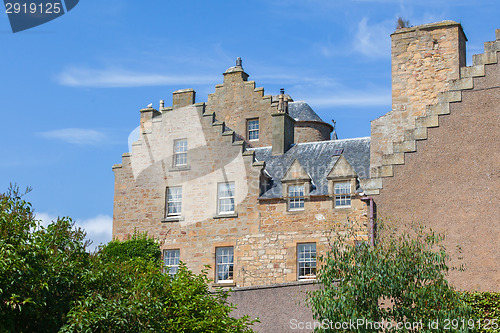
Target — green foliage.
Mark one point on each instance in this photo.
(142, 299)
(400, 280)
(486, 307)
(49, 283)
(138, 246)
(40, 268)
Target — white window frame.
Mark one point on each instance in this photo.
(171, 259)
(224, 264)
(223, 196)
(255, 130)
(174, 201)
(306, 261)
(342, 194)
(296, 197)
(180, 152)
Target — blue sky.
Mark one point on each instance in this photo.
(71, 89)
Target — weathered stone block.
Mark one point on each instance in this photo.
(462, 84)
(472, 71)
(396, 158)
(405, 146)
(427, 121)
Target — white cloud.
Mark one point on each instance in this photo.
(110, 78)
(79, 136)
(45, 218)
(374, 40)
(98, 228)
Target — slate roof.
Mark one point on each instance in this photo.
(317, 160)
(301, 111)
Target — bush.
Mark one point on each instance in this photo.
(138, 246)
(49, 283)
(486, 307)
(40, 268)
(132, 294)
(400, 280)
(137, 297)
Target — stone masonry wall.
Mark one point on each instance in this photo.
(450, 182)
(311, 131)
(425, 59)
(264, 234)
(237, 100)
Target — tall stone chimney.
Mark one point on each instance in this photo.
(425, 59)
(283, 127)
(183, 97)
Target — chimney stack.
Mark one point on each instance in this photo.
(183, 97)
(283, 127)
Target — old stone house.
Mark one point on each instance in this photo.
(247, 183)
(252, 184)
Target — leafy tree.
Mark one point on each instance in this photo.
(40, 268)
(138, 246)
(400, 282)
(134, 295)
(49, 283)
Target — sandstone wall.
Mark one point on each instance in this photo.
(264, 234)
(308, 131)
(451, 180)
(237, 100)
(425, 59)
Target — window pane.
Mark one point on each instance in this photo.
(296, 197)
(343, 194)
(226, 197)
(174, 200)
(180, 152)
(171, 258)
(181, 146)
(253, 129)
(224, 263)
(306, 261)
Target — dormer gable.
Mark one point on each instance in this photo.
(342, 170)
(296, 173)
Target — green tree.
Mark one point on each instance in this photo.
(399, 281)
(40, 268)
(130, 293)
(138, 246)
(49, 283)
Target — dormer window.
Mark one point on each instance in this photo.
(342, 194)
(296, 186)
(341, 183)
(253, 129)
(296, 197)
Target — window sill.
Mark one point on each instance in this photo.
(306, 279)
(224, 284)
(343, 207)
(296, 211)
(172, 219)
(179, 168)
(224, 216)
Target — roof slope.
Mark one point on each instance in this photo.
(301, 111)
(317, 159)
